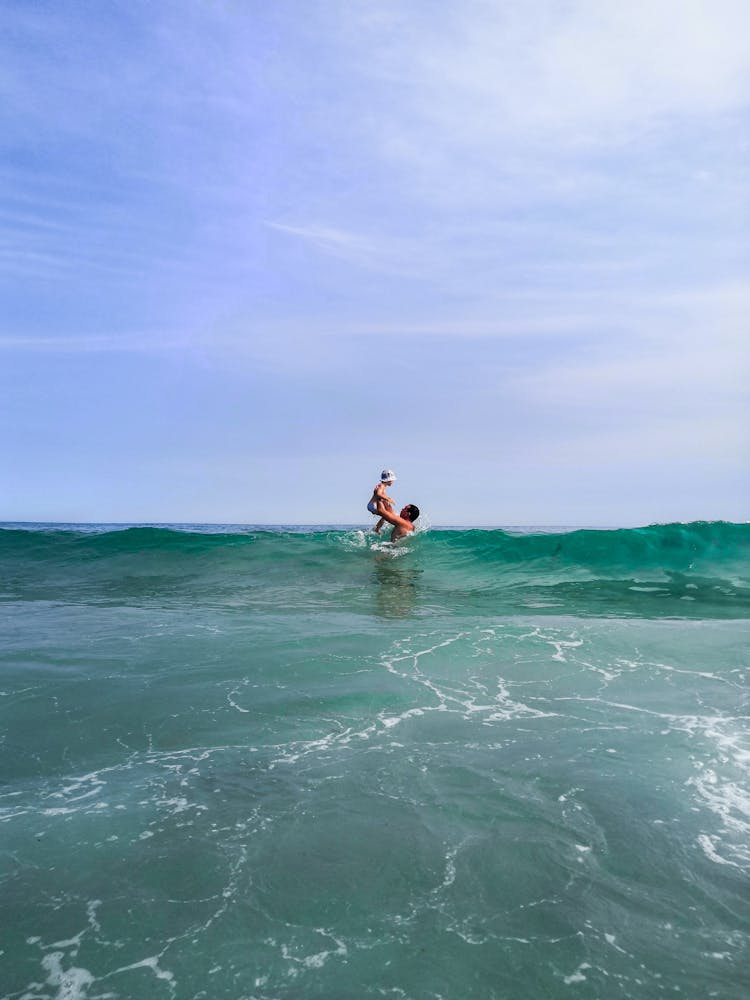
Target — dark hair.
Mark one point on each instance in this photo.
(413, 511)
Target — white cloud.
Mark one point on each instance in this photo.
(647, 57)
(482, 70)
(673, 385)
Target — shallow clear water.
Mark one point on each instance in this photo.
(248, 763)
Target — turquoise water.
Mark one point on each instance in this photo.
(275, 763)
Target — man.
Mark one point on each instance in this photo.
(402, 523)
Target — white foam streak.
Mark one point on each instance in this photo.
(72, 983)
(318, 959)
(152, 963)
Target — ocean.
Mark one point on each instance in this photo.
(259, 762)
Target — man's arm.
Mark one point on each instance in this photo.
(394, 519)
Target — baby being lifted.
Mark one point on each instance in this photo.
(379, 496)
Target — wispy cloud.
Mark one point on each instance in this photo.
(138, 343)
(396, 255)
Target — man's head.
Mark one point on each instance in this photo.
(410, 512)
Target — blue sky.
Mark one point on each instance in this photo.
(254, 252)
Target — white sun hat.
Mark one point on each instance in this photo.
(386, 476)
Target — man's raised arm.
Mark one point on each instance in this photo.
(394, 519)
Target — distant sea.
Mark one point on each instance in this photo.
(293, 762)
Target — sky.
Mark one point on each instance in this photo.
(253, 253)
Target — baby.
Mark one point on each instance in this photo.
(379, 496)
